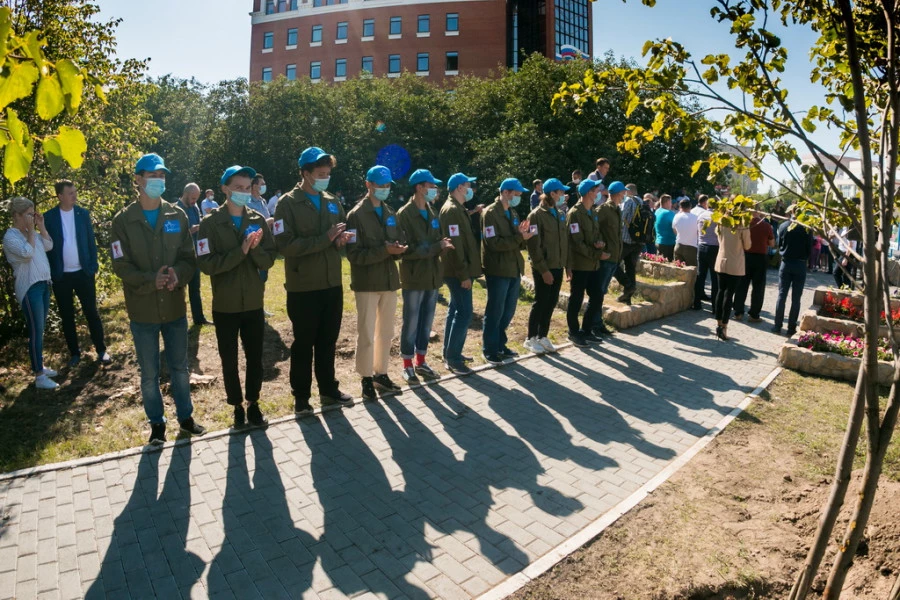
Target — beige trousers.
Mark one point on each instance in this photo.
(375, 313)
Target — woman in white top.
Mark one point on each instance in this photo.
(26, 251)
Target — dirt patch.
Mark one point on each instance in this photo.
(736, 522)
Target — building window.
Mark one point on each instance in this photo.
(293, 4)
(452, 63)
(368, 64)
(424, 24)
(422, 62)
(267, 74)
(328, 2)
(270, 7)
(341, 31)
(292, 37)
(316, 34)
(268, 40)
(315, 70)
(369, 28)
(290, 72)
(394, 63)
(572, 29)
(396, 26)
(452, 21)
(340, 67)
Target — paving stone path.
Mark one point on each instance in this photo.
(441, 492)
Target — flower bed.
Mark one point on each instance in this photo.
(660, 259)
(845, 308)
(843, 344)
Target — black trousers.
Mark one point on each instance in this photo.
(316, 318)
(667, 251)
(249, 325)
(545, 297)
(626, 273)
(725, 296)
(706, 263)
(82, 285)
(195, 298)
(755, 266)
(583, 281)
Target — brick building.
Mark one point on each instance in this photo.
(331, 40)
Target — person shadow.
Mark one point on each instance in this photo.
(263, 553)
(147, 555)
(275, 351)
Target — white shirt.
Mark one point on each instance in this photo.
(206, 206)
(29, 263)
(686, 228)
(273, 202)
(71, 262)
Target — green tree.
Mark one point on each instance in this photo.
(855, 60)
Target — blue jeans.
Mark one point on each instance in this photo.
(791, 276)
(502, 299)
(418, 316)
(459, 315)
(146, 346)
(36, 304)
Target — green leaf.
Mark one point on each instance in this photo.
(50, 101)
(17, 160)
(53, 153)
(5, 27)
(18, 84)
(72, 82)
(72, 145)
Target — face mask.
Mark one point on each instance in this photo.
(431, 194)
(320, 185)
(381, 194)
(155, 187)
(514, 201)
(470, 193)
(561, 203)
(262, 190)
(598, 199)
(240, 198)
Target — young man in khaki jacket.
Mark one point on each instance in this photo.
(233, 245)
(586, 250)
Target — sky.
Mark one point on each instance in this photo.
(210, 40)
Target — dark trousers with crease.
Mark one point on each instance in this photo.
(756, 266)
(316, 319)
(545, 297)
(79, 284)
(249, 326)
(584, 281)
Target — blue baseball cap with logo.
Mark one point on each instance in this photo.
(311, 155)
(423, 176)
(615, 187)
(458, 179)
(379, 175)
(150, 162)
(585, 187)
(235, 170)
(511, 183)
(554, 185)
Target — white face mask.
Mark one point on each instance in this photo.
(262, 190)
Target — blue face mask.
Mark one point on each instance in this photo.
(154, 187)
(381, 194)
(598, 199)
(320, 185)
(514, 201)
(240, 198)
(430, 194)
(262, 190)
(561, 202)
(470, 193)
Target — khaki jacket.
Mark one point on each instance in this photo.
(311, 261)
(420, 267)
(583, 226)
(732, 245)
(501, 242)
(372, 269)
(609, 220)
(139, 252)
(236, 285)
(549, 248)
(463, 262)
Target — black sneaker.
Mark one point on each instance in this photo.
(578, 340)
(601, 329)
(192, 428)
(776, 329)
(467, 359)
(591, 338)
(368, 389)
(791, 331)
(384, 383)
(157, 434)
(338, 397)
(302, 407)
(240, 418)
(426, 372)
(255, 416)
(494, 359)
(624, 299)
(508, 353)
(459, 368)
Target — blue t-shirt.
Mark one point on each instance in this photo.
(379, 210)
(237, 222)
(507, 213)
(664, 233)
(316, 200)
(424, 213)
(152, 217)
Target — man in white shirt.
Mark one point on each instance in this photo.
(707, 252)
(598, 174)
(687, 234)
(208, 204)
(273, 202)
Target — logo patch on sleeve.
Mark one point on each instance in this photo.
(202, 246)
(352, 233)
(574, 228)
(117, 249)
(489, 231)
(454, 230)
(278, 227)
(533, 229)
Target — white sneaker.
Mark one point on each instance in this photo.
(535, 346)
(547, 344)
(43, 382)
(268, 314)
(49, 373)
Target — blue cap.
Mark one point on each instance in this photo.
(311, 155)
(554, 185)
(379, 175)
(585, 187)
(423, 176)
(150, 162)
(511, 183)
(615, 187)
(458, 179)
(234, 170)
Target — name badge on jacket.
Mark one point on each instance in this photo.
(172, 226)
(391, 221)
(251, 229)
(435, 223)
(332, 208)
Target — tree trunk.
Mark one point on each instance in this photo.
(895, 591)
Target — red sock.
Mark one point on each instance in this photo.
(420, 360)
(407, 363)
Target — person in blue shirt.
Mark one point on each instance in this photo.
(665, 235)
(188, 203)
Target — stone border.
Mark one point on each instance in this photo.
(829, 364)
